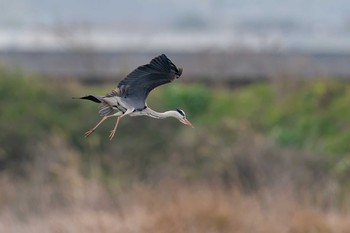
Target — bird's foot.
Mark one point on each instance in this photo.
(111, 135)
(88, 133)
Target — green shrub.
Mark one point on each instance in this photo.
(194, 99)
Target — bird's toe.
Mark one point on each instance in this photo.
(88, 133)
(111, 135)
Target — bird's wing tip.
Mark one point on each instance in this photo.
(179, 72)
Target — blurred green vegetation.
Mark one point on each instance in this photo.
(196, 99)
(315, 115)
(312, 116)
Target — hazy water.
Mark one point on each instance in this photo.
(321, 25)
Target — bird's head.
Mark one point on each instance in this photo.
(181, 116)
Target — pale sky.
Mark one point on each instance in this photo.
(316, 24)
(24, 13)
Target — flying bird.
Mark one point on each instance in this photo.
(129, 98)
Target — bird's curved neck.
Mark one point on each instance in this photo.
(158, 115)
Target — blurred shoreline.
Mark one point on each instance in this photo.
(206, 65)
(99, 54)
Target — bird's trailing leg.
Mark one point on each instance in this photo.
(88, 133)
(111, 135)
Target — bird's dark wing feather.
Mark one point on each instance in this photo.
(138, 84)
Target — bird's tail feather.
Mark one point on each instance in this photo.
(96, 99)
(105, 109)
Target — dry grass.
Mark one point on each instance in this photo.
(55, 197)
(174, 207)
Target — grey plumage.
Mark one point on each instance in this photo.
(135, 88)
(129, 98)
(140, 82)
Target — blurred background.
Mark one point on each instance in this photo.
(265, 83)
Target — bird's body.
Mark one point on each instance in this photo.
(129, 98)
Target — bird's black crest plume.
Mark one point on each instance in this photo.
(180, 111)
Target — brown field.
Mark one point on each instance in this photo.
(170, 206)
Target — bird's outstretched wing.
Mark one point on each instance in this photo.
(138, 84)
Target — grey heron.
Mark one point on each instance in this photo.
(129, 98)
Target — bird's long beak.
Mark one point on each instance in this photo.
(187, 122)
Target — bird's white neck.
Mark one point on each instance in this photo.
(159, 115)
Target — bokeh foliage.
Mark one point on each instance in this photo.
(315, 115)
(312, 116)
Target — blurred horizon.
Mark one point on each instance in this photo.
(321, 26)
